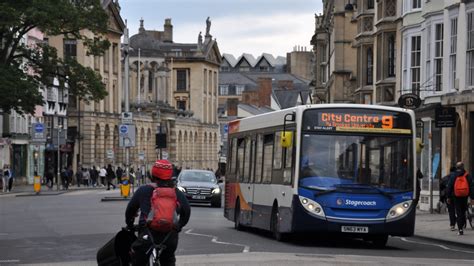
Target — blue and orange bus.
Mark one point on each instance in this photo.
(332, 168)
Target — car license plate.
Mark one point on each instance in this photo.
(198, 197)
(354, 229)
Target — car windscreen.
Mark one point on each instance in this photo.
(191, 176)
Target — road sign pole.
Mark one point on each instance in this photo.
(127, 96)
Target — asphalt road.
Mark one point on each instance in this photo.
(71, 227)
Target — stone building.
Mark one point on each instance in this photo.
(174, 89)
(92, 128)
(335, 62)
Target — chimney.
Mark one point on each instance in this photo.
(168, 33)
(264, 91)
(250, 97)
(232, 107)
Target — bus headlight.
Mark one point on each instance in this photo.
(182, 189)
(312, 206)
(216, 190)
(399, 210)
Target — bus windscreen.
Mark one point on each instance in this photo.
(357, 120)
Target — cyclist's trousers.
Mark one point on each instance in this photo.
(141, 246)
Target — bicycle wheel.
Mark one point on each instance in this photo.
(153, 260)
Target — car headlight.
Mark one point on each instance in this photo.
(182, 189)
(312, 206)
(216, 190)
(399, 210)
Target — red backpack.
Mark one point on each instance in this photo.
(461, 186)
(163, 216)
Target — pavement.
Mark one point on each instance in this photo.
(434, 227)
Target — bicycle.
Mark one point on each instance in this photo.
(155, 250)
(469, 215)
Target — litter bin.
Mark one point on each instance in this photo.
(116, 251)
(125, 187)
(37, 184)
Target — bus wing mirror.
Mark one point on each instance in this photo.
(286, 139)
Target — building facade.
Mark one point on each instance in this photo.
(407, 46)
(174, 90)
(92, 128)
(335, 61)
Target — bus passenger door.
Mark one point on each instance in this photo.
(246, 186)
(250, 184)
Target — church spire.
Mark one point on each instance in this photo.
(141, 29)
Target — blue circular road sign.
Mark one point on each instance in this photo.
(123, 129)
(39, 128)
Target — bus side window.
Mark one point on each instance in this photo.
(288, 163)
(240, 159)
(277, 153)
(267, 158)
(233, 156)
(259, 159)
(247, 161)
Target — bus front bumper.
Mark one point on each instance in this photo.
(305, 222)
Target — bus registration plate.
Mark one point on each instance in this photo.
(198, 197)
(354, 229)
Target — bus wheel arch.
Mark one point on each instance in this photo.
(275, 223)
(237, 224)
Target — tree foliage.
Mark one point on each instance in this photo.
(24, 69)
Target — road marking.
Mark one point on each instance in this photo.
(436, 245)
(9, 261)
(214, 240)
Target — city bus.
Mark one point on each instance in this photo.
(328, 168)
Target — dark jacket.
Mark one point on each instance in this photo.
(443, 186)
(141, 200)
(452, 180)
(110, 173)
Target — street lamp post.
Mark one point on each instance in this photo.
(59, 157)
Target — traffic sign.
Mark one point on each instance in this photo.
(226, 128)
(127, 136)
(110, 154)
(127, 118)
(123, 129)
(141, 155)
(39, 127)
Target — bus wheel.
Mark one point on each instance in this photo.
(275, 226)
(380, 241)
(237, 224)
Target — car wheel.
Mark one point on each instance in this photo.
(275, 226)
(237, 224)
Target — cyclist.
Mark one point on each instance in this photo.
(161, 174)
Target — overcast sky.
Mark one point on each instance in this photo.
(240, 26)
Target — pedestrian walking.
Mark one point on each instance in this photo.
(86, 177)
(94, 175)
(7, 173)
(443, 197)
(4, 179)
(102, 175)
(70, 175)
(65, 178)
(119, 173)
(110, 177)
(49, 178)
(460, 187)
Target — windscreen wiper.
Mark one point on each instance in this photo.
(365, 186)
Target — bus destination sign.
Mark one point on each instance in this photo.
(352, 120)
